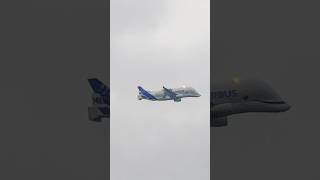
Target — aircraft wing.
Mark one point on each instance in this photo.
(170, 93)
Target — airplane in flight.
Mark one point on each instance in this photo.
(167, 94)
(242, 96)
(100, 101)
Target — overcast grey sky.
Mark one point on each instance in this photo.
(156, 43)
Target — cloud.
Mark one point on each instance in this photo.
(155, 43)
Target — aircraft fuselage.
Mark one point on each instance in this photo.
(236, 97)
(168, 94)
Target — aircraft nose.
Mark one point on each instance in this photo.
(284, 107)
(287, 107)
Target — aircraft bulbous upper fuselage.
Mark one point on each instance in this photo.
(236, 97)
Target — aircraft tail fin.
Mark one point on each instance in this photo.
(141, 89)
(146, 94)
(98, 87)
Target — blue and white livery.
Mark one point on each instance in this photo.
(167, 94)
(100, 107)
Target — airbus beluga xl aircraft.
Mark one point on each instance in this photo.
(167, 94)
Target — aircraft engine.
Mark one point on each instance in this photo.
(177, 100)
